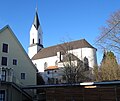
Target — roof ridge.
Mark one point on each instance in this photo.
(64, 43)
(52, 50)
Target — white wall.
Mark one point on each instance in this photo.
(89, 53)
(33, 50)
(36, 34)
(40, 62)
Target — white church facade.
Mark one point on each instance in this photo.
(49, 60)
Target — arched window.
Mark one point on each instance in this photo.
(86, 63)
(33, 41)
(45, 65)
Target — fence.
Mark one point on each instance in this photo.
(94, 91)
(84, 93)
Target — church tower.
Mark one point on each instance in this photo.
(36, 41)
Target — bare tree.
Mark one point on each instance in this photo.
(73, 70)
(110, 35)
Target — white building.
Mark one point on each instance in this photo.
(50, 58)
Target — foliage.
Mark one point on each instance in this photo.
(96, 73)
(109, 68)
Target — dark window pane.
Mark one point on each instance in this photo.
(22, 75)
(5, 48)
(2, 95)
(33, 41)
(3, 75)
(14, 62)
(4, 61)
(48, 72)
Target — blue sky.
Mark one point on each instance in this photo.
(60, 20)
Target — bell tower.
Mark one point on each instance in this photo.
(36, 40)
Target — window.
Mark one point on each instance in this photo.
(56, 63)
(23, 76)
(2, 95)
(5, 48)
(14, 62)
(45, 65)
(33, 41)
(86, 63)
(56, 80)
(48, 72)
(4, 61)
(3, 76)
(39, 41)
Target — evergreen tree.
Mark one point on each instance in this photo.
(109, 68)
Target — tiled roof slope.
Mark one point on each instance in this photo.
(52, 51)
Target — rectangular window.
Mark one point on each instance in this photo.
(4, 61)
(5, 48)
(23, 76)
(14, 62)
(48, 72)
(2, 95)
(3, 76)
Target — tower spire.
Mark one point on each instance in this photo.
(36, 40)
(36, 22)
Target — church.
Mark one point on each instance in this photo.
(49, 60)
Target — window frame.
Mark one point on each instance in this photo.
(45, 65)
(4, 61)
(39, 41)
(15, 62)
(48, 72)
(56, 63)
(2, 95)
(23, 76)
(5, 48)
(33, 41)
(3, 75)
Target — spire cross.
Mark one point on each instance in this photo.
(36, 5)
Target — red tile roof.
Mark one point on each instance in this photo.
(52, 68)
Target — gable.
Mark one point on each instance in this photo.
(9, 37)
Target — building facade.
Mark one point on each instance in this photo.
(16, 68)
